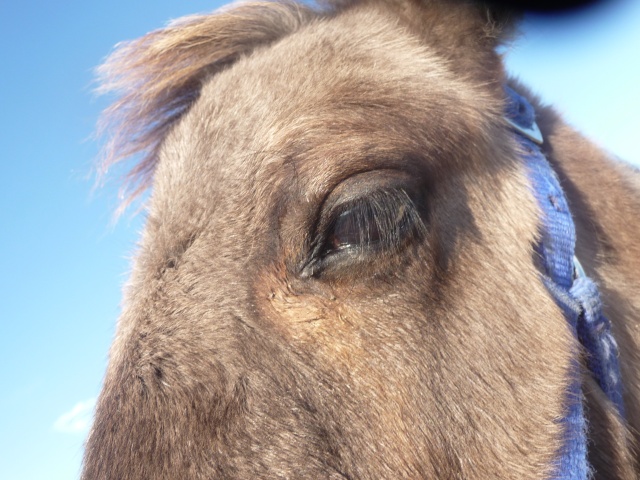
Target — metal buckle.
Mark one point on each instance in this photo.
(578, 271)
(532, 133)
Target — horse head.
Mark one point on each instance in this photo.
(338, 277)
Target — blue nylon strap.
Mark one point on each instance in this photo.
(577, 297)
(594, 332)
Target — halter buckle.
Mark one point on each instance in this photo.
(532, 133)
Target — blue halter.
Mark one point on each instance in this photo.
(575, 293)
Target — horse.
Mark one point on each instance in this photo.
(342, 273)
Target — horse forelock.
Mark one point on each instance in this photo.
(157, 77)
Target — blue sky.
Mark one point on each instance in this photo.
(64, 262)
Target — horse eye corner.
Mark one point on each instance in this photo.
(308, 268)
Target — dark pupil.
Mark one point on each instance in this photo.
(354, 228)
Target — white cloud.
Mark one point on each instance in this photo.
(76, 420)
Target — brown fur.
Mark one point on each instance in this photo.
(439, 356)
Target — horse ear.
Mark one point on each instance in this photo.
(156, 78)
(468, 34)
(465, 32)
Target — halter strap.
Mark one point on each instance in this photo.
(575, 293)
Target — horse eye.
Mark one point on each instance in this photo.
(377, 223)
(381, 221)
(353, 228)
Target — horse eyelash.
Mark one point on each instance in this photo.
(381, 206)
(393, 212)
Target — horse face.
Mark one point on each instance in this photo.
(336, 277)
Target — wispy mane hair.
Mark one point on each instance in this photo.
(158, 76)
